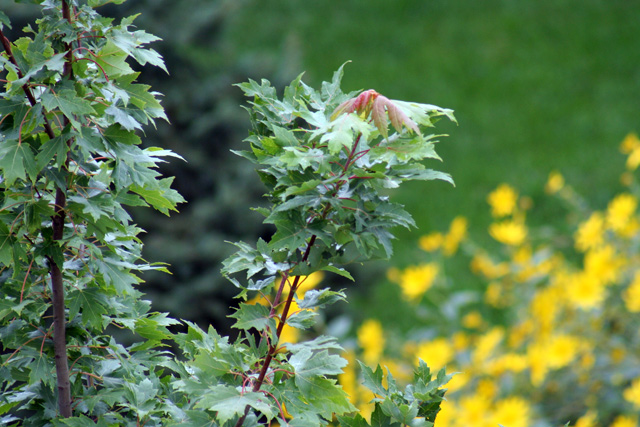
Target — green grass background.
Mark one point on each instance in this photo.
(536, 85)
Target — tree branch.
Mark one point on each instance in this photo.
(57, 282)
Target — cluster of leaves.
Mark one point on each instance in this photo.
(416, 406)
(547, 332)
(70, 161)
(324, 168)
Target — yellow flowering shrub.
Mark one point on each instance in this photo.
(548, 330)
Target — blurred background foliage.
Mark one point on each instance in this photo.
(536, 86)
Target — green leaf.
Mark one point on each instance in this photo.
(326, 398)
(81, 421)
(117, 276)
(15, 160)
(343, 132)
(338, 270)
(355, 420)
(89, 302)
(143, 396)
(228, 402)
(161, 196)
(302, 319)
(4, 20)
(154, 326)
(309, 366)
(250, 316)
(373, 379)
(113, 61)
(41, 369)
(6, 245)
(402, 413)
(55, 148)
(123, 118)
(318, 298)
(67, 101)
(116, 134)
(379, 419)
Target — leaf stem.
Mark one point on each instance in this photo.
(283, 320)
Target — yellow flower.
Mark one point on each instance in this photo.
(494, 295)
(562, 350)
(633, 161)
(472, 320)
(509, 362)
(474, 411)
(447, 415)
(590, 233)
(585, 291)
(603, 264)
(512, 412)
(460, 341)
(509, 232)
(487, 388)
(629, 143)
(620, 211)
(416, 280)
(631, 295)
(457, 232)
(502, 200)
(555, 182)
(632, 393)
(437, 353)
(371, 339)
(544, 308)
(587, 420)
(538, 367)
(624, 421)
(430, 242)
(486, 344)
(482, 264)
(348, 379)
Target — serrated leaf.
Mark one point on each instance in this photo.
(41, 369)
(318, 298)
(251, 316)
(402, 413)
(161, 196)
(344, 131)
(379, 419)
(15, 160)
(355, 420)
(302, 319)
(228, 402)
(123, 118)
(326, 398)
(55, 148)
(373, 379)
(68, 102)
(113, 61)
(308, 366)
(89, 303)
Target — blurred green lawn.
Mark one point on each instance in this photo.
(536, 85)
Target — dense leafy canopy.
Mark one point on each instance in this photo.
(71, 161)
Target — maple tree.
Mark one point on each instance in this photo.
(70, 163)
